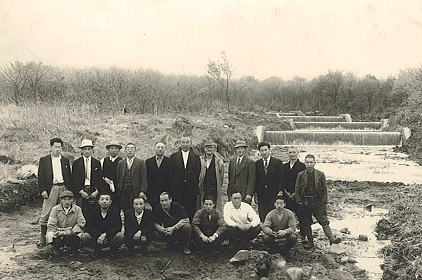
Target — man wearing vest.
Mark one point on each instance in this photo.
(311, 197)
(211, 176)
(241, 174)
(131, 178)
(87, 177)
(158, 174)
(109, 166)
(54, 176)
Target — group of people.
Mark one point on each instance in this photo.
(178, 199)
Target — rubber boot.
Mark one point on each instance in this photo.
(330, 236)
(310, 243)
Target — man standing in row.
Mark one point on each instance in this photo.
(131, 178)
(241, 174)
(311, 196)
(211, 176)
(186, 167)
(87, 177)
(54, 176)
(158, 175)
(268, 179)
(290, 171)
(109, 165)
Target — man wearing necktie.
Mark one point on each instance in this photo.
(87, 177)
(186, 167)
(268, 180)
(158, 174)
(242, 173)
(109, 167)
(131, 178)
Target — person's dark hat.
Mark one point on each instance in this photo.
(113, 144)
(66, 194)
(210, 143)
(240, 143)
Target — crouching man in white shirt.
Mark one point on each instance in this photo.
(242, 222)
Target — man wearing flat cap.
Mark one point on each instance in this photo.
(241, 173)
(87, 177)
(65, 224)
(211, 175)
(109, 167)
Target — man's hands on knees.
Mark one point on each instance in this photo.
(101, 239)
(44, 194)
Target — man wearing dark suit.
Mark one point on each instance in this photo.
(131, 178)
(87, 177)
(268, 179)
(311, 196)
(242, 174)
(290, 171)
(186, 167)
(138, 226)
(54, 176)
(158, 175)
(109, 167)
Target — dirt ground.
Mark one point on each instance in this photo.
(20, 259)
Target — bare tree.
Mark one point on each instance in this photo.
(220, 71)
(16, 75)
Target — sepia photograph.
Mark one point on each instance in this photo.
(210, 139)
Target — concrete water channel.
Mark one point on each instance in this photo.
(339, 147)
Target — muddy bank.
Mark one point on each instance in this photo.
(403, 258)
(21, 260)
(13, 194)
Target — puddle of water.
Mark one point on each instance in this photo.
(360, 221)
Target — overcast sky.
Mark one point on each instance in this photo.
(261, 38)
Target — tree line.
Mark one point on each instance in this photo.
(148, 91)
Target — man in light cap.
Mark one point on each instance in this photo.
(87, 177)
(211, 175)
(241, 174)
(158, 174)
(65, 224)
(109, 167)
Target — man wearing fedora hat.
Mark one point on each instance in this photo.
(54, 176)
(211, 175)
(241, 173)
(87, 177)
(65, 224)
(109, 167)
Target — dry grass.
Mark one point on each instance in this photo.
(25, 131)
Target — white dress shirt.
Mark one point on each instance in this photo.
(185, 156)
(292, 163)
(139, 217)
(57, 170)
(243, 215)
(87, 163)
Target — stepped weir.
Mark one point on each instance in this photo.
(331, 130)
